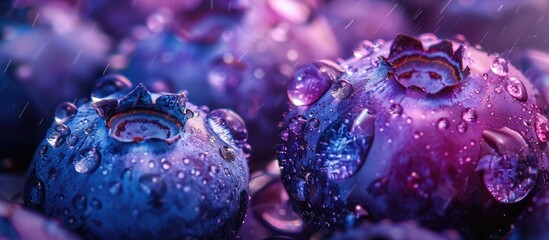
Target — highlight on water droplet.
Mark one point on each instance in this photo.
(312, 80)
(64, 112)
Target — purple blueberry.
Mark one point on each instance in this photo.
(426, 129)
(142, 165)
(19, 223)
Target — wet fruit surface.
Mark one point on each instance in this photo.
(427, 129)
(152, 158)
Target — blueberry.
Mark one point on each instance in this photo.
(135, 164)
(419, 128)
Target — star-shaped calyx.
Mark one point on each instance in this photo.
(431, 69)
(140, 115)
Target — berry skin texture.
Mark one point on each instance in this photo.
(141, 165)
(431, 130)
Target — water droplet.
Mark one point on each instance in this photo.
(469, 115)
(87, 161)
(166, 166)
(395, 109)
(363, 49)
(509, 165)
(443, 123)
(181, 175)
(228, 125)
(79, 202)
(64, 112)
(542, 127)
(72, 140)
(341, 89)
(152, 184)
(412, 181)
(115, 188)
(311, 81)
(57, 135)
(314, 122)
(344, 145)
(297, 124)
(108, 85)
(227, 153)
(500, 67)
(461, 127)
(299, 188)
(96, 204)
(516, 89)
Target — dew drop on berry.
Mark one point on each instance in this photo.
(342, 147)
(115, 188)
(152, 184)
(108, 85)
(314, 123)
(96, 204)
(509, 166)
(312, 80)
(79, 202)
(297, 124)
(299, 188)
(542, 127)
(228, 125)
(341, 89)
(500, 67)
(72, 140)
(443, 123)
(227, 153)
(470, 115)
(395, 109)
(57, 135)
(516, 89)
(64, 112)
(87, 161)
(363, 49)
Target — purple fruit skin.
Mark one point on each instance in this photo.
(170, 186)
(407, 163)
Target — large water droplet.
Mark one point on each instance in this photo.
(363, 49)
(299, 188)
(87, 161)
(516, 89)
(152, 184)
(108, 85)
(500, 67)
(227, 153)
(341, 89)
(344, 145)
(542, 127)
(64, 112)
(395, 109)
(297, 124)
(228, 126)
(311, 81)
(57, 135)
(509, 165)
